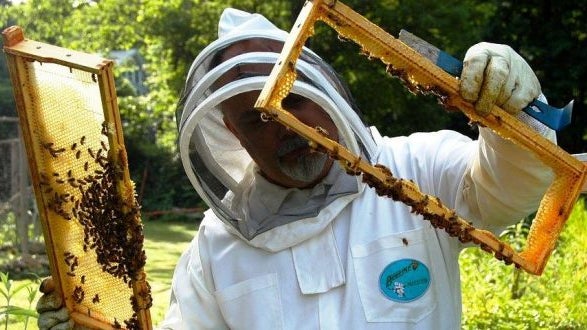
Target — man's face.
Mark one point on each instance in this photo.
(283, 157)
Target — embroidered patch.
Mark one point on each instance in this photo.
(404, 280)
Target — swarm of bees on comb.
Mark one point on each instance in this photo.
(96, 197)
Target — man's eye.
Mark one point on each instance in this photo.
(292, 100)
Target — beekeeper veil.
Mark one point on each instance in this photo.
(218, 166)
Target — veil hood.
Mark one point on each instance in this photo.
(218, 166)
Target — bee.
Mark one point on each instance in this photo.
(91, 152)
(405, 241)
(102, 161)
(485, 247)
(439, 202)
(82, 141)
(73, 146)
(107, 128)
(83, 279)
(473, 123)
(96, 299)
(321, 131)
(78, 294)
(74, 265)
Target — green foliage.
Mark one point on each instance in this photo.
(502, 297)
(8, 229)
(552, 36)
(8, 291)
(156, 170)
(170, 33)
(7, 106)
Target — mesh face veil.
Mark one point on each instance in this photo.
(217, 165)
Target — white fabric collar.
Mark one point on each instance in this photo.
(289, 234)
(261, 206)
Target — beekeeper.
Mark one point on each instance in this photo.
(290, 240)
(293, 242)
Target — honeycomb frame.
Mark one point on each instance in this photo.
(421, 76)
(71, 127)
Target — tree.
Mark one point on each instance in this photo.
(170, 34)
(7, 105)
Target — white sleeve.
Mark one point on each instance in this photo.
(504, 182)
(192, 305)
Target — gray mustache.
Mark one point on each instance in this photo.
(291, 144)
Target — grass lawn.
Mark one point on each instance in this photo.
(164, 243)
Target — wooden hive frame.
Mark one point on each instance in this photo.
(60, 223)
(421, 75)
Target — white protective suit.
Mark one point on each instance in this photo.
(350, 259)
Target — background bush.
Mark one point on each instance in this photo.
(502, 297)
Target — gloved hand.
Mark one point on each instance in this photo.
(52, 314)
(496, 74)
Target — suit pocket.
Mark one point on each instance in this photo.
(252, 304)
(394, 277)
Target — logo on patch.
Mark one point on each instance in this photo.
(404, 280)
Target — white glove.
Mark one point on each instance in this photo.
(52, 314)
(496, 74)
